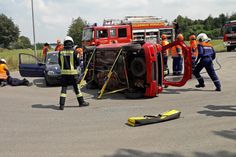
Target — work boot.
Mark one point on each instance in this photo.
(82, 103)
(62, 103)
(218, 89)
(3, 83)
(200, 86)
(61, 107)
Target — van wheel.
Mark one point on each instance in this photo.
(138, 67)
(132, 47)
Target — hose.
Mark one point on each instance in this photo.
(218, 63)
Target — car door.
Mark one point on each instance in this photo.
(30, 66)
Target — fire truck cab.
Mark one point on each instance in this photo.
(132, 28)
(96, 35)
(229, 30)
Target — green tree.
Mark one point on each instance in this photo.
(9, 32)
(22, 43)
(233, 16)
(76, 30)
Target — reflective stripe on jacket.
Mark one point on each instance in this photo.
(68, 62)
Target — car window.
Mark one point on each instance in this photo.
(122, 32)
(102, 33)
(28, 59)
(113, 32)
(52, 58)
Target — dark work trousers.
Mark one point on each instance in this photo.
(165, 58)
(193, 63)
(206, 62)
(177, 65)
(16, 82)
(68, 80)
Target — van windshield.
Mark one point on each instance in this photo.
(87, 34)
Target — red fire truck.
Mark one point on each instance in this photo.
(132, 28)
(229, 31)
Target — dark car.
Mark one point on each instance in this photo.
(31, 66)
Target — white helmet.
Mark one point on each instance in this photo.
(202, 37)
(68, 42)
(68, 38)
(3, 60)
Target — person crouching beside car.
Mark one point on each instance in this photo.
(6, 79)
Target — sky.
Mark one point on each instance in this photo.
(53, 17)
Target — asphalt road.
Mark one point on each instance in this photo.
(32, 126)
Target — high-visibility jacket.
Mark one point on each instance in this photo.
(68, 62)
(3, 71)
(193, 48)
(59, 47)
(164, 43)
(176, 51)
(45, 51)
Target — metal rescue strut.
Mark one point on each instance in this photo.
(86, 69)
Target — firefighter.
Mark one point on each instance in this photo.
(165, 42)
(45, 50)
(59, 46)
(177, 57)
(4, 72)
(6, 79)
(193, 48)
(68, 63)
(206, 54)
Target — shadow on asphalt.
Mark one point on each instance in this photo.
(219, 111)
(53, 107)
(138, 153)
(179, 91)
(41, 106)
(230, 134)
(41, 83)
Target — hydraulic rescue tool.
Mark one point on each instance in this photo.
(150, 119)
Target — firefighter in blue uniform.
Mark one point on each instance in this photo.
(206, 55)
(68, 63)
